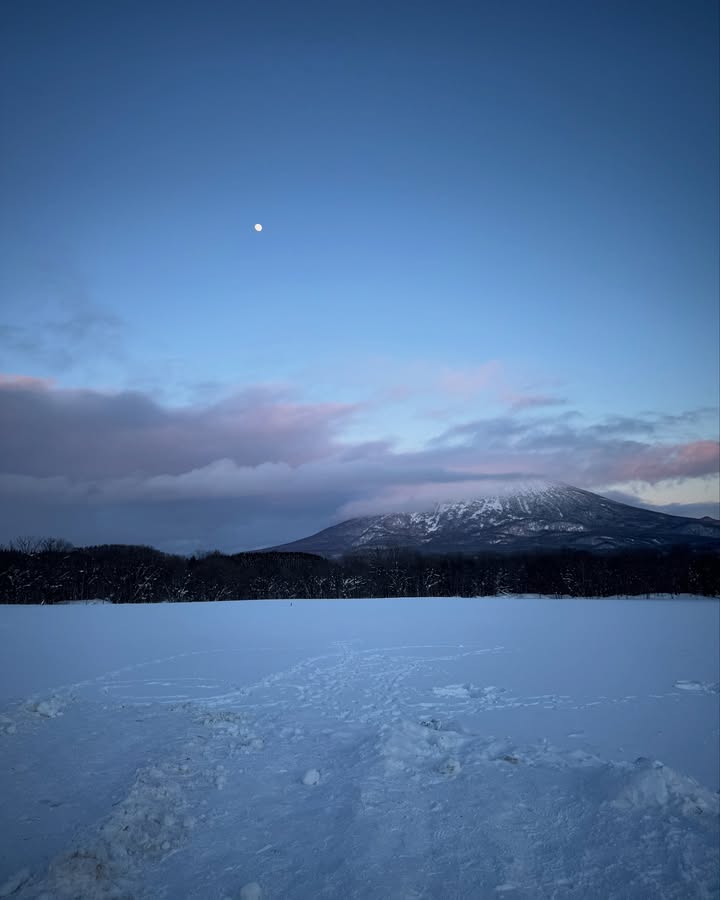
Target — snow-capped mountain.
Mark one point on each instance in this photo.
(545, 516)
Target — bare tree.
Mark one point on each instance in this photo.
(26, 544)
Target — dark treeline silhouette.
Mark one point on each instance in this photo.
(52, 571)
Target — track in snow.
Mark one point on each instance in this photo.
(356, 773)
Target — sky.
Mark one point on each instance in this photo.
(489, 251)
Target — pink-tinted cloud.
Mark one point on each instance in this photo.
(619, 448)
(99, 461)
(662, 462)
(27, 382)
(87, 434)
(466, 382)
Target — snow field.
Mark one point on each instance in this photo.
(468, 761)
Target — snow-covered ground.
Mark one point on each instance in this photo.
(444, 748)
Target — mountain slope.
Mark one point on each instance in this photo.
(548, 516)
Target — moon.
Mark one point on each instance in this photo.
(258, 227)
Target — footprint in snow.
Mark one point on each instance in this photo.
(451, 767)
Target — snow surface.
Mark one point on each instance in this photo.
(443, 748)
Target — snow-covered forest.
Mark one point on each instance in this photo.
(54, 572)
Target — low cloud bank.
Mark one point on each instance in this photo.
(262, 466)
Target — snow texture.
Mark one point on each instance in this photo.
(520, 748)
(700, 687)
(14, 882)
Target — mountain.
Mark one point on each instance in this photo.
(539, 517)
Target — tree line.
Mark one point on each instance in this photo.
(52, 571)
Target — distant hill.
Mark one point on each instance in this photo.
(538, 517)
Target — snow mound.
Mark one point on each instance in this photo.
(311, 777)
(147, 826)
(408, 747)
(650, 784)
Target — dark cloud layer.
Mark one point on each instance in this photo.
(85, 434)
(261, 467)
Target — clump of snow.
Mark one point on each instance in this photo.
(311, 777)
(431, 723)
(14, 882)
(251, 891)
(150, 819)
(648, 783)
(7, 726)
(48, 708)
(145, 827)
(497, 749)
(408, 747)
(93, 873)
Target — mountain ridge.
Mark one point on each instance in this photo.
(542, 516)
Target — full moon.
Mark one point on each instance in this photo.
(258, 228)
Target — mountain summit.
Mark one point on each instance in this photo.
(535, 517)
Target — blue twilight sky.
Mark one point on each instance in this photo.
(489, 249)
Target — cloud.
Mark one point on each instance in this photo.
(86, 434)
(468, 381)
(623, 426)
(661, 462)
(24, 381)
(63, 326)
(261, 466)
(519, 402)
(452, 487)
(689, 510)
(562, 447)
